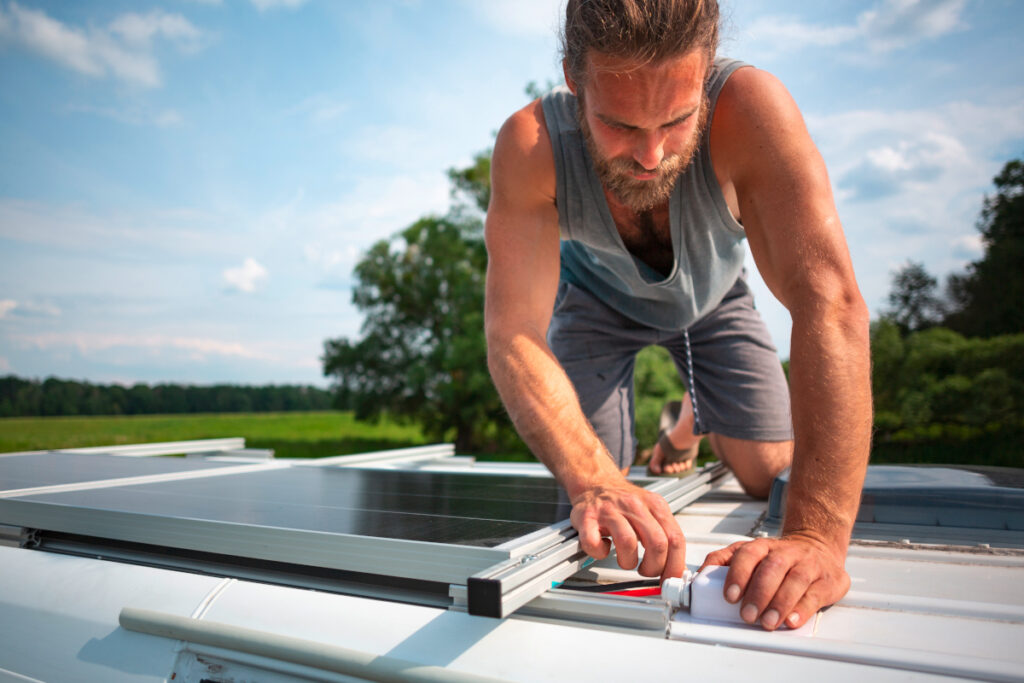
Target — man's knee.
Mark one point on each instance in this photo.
(754, 463)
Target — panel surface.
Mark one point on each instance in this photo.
(50, 469)
(460, 509)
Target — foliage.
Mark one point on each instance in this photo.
(474, 181)
(422, 354)
(938, 386)
(913, 300)
(655, 381)
(308, 434)
(25, 397)
(986, 299)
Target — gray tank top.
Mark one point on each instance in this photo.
(706, 239)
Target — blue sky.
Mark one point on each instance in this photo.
(185, 186)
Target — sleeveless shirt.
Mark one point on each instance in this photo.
(707, 242)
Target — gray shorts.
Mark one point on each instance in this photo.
(726, 358)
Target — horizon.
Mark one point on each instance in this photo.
(187, 184)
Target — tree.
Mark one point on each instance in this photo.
(986, 299)
(423, 354)
(914, 303)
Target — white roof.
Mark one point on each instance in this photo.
(914, 612)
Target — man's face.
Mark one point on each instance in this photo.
(642, 124)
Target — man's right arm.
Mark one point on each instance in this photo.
(522, 280)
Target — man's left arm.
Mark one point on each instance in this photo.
(786, 207)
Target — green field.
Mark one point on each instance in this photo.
(291, 435)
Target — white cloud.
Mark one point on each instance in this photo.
(88, 343)
(29, 308)
(5, 365)
(140, 29)
(909, 183)
(247, 277)
(123, 50)
(899, 23)
(890, 25)
(134, 116)
(72, 227)
(321, 108)
(968, 247)
(264, 5)
(524, 18)
(167, 118)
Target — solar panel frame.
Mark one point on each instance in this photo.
(78, 509)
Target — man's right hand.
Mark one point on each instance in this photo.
(629, 514)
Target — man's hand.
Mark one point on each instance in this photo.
(628, 514)
(780, 579)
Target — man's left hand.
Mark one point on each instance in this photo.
(782, 580)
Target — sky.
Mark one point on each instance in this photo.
(186, 185)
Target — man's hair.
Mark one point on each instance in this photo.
(644, 31)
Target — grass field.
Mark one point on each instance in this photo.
(312, 434)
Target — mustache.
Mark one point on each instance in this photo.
(628, 166)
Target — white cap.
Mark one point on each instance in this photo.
(677, 591)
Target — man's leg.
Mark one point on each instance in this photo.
(754, 463)
(597, 348)
(739, 394)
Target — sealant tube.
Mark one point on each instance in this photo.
(703, 594)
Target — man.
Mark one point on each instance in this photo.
(617, 213)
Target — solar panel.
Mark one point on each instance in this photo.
(497, 539)
(436, 526)
(53, 469)
(464, 509)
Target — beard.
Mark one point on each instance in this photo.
(616, 174)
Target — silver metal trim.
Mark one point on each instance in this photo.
(144, 479)
(162, 448)
(650, 615)
(392, 456)
(556, 552)
(427, 561)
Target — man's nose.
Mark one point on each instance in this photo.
(649, 150)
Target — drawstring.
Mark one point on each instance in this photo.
(698, 427)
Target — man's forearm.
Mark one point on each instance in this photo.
(831, 389)
(546, 412)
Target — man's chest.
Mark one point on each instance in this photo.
(646, 235)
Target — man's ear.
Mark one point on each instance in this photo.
(568, 79)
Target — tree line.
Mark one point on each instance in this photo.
(948, 366)
(32, 397)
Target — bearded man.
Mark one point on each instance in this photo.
(619, 207)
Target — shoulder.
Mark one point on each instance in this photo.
(523, 160)
(756, 123)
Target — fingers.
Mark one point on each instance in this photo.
(672, 562)
(806, 607)
(745, 558)
(775, 590)
(590, 533)
(721, 558)
(781, 582)
(630, 517)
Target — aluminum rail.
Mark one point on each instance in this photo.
(343, 660)
(396, 455)
(164, 448)
(500, 590)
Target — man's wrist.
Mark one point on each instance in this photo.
(595, 472)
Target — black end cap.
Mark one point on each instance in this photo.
(484, 597)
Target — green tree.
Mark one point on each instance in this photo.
(422, 354)
(913, 300)
(987, 298)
